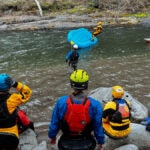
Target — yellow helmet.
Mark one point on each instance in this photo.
(117, 91)
(99, 23)
(79, 79)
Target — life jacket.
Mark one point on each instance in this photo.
(122, 113)
(74, 56)
(7, 120)
(77, 116)
(97, 29)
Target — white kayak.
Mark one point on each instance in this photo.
(147, 40)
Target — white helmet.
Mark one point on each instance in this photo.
(75, 46)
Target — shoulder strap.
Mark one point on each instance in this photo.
(117, 104)
(127, 104)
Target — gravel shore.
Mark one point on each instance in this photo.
(12, 23)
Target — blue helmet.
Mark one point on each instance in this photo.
(5, 82)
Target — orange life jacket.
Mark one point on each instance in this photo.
(77, 115)
(122, 113)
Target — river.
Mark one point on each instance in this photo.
(37, 58)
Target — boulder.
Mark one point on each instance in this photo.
(127, 147)
(138, 136)
(27, 140)
(41, 146)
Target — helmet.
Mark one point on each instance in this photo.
(5, 82)
(117, 91)
(75, 46)
(100, 23)
(79, 79)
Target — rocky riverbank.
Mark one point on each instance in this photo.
(13, 23)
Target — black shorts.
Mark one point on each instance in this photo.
(8, 142)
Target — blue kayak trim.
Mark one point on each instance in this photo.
(82, 37)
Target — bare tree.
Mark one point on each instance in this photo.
(39, 7)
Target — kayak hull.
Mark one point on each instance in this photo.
(147, 40)
(81, 37)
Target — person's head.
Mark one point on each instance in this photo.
(79, 79)
(75, 46)
(100, 23)
(5, 82)
(117, 92)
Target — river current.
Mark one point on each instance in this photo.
(37, 58)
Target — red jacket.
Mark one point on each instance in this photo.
(22, 120)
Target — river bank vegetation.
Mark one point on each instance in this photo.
(110, 8)
(48, 14)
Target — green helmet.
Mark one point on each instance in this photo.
(79, 79)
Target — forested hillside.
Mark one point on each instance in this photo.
(29, 7)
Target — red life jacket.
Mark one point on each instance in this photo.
(77, 115)
(22, 120)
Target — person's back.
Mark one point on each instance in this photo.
(116, 115)
(72, 57)
(9, 136)
(77, 116)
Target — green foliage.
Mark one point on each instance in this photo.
(46, 6)
(139, 15)
(142, 15)
(18, 5)
(75, 6)
(80, 10)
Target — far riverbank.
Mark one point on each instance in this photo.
(15, 23)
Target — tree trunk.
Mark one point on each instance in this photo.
(39, 7)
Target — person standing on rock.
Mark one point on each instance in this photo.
(116, 115)
(9, 136)
(77, 116)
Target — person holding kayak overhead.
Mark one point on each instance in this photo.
(9, 136)
(72, 57)
(78, 117)
(116, 115)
